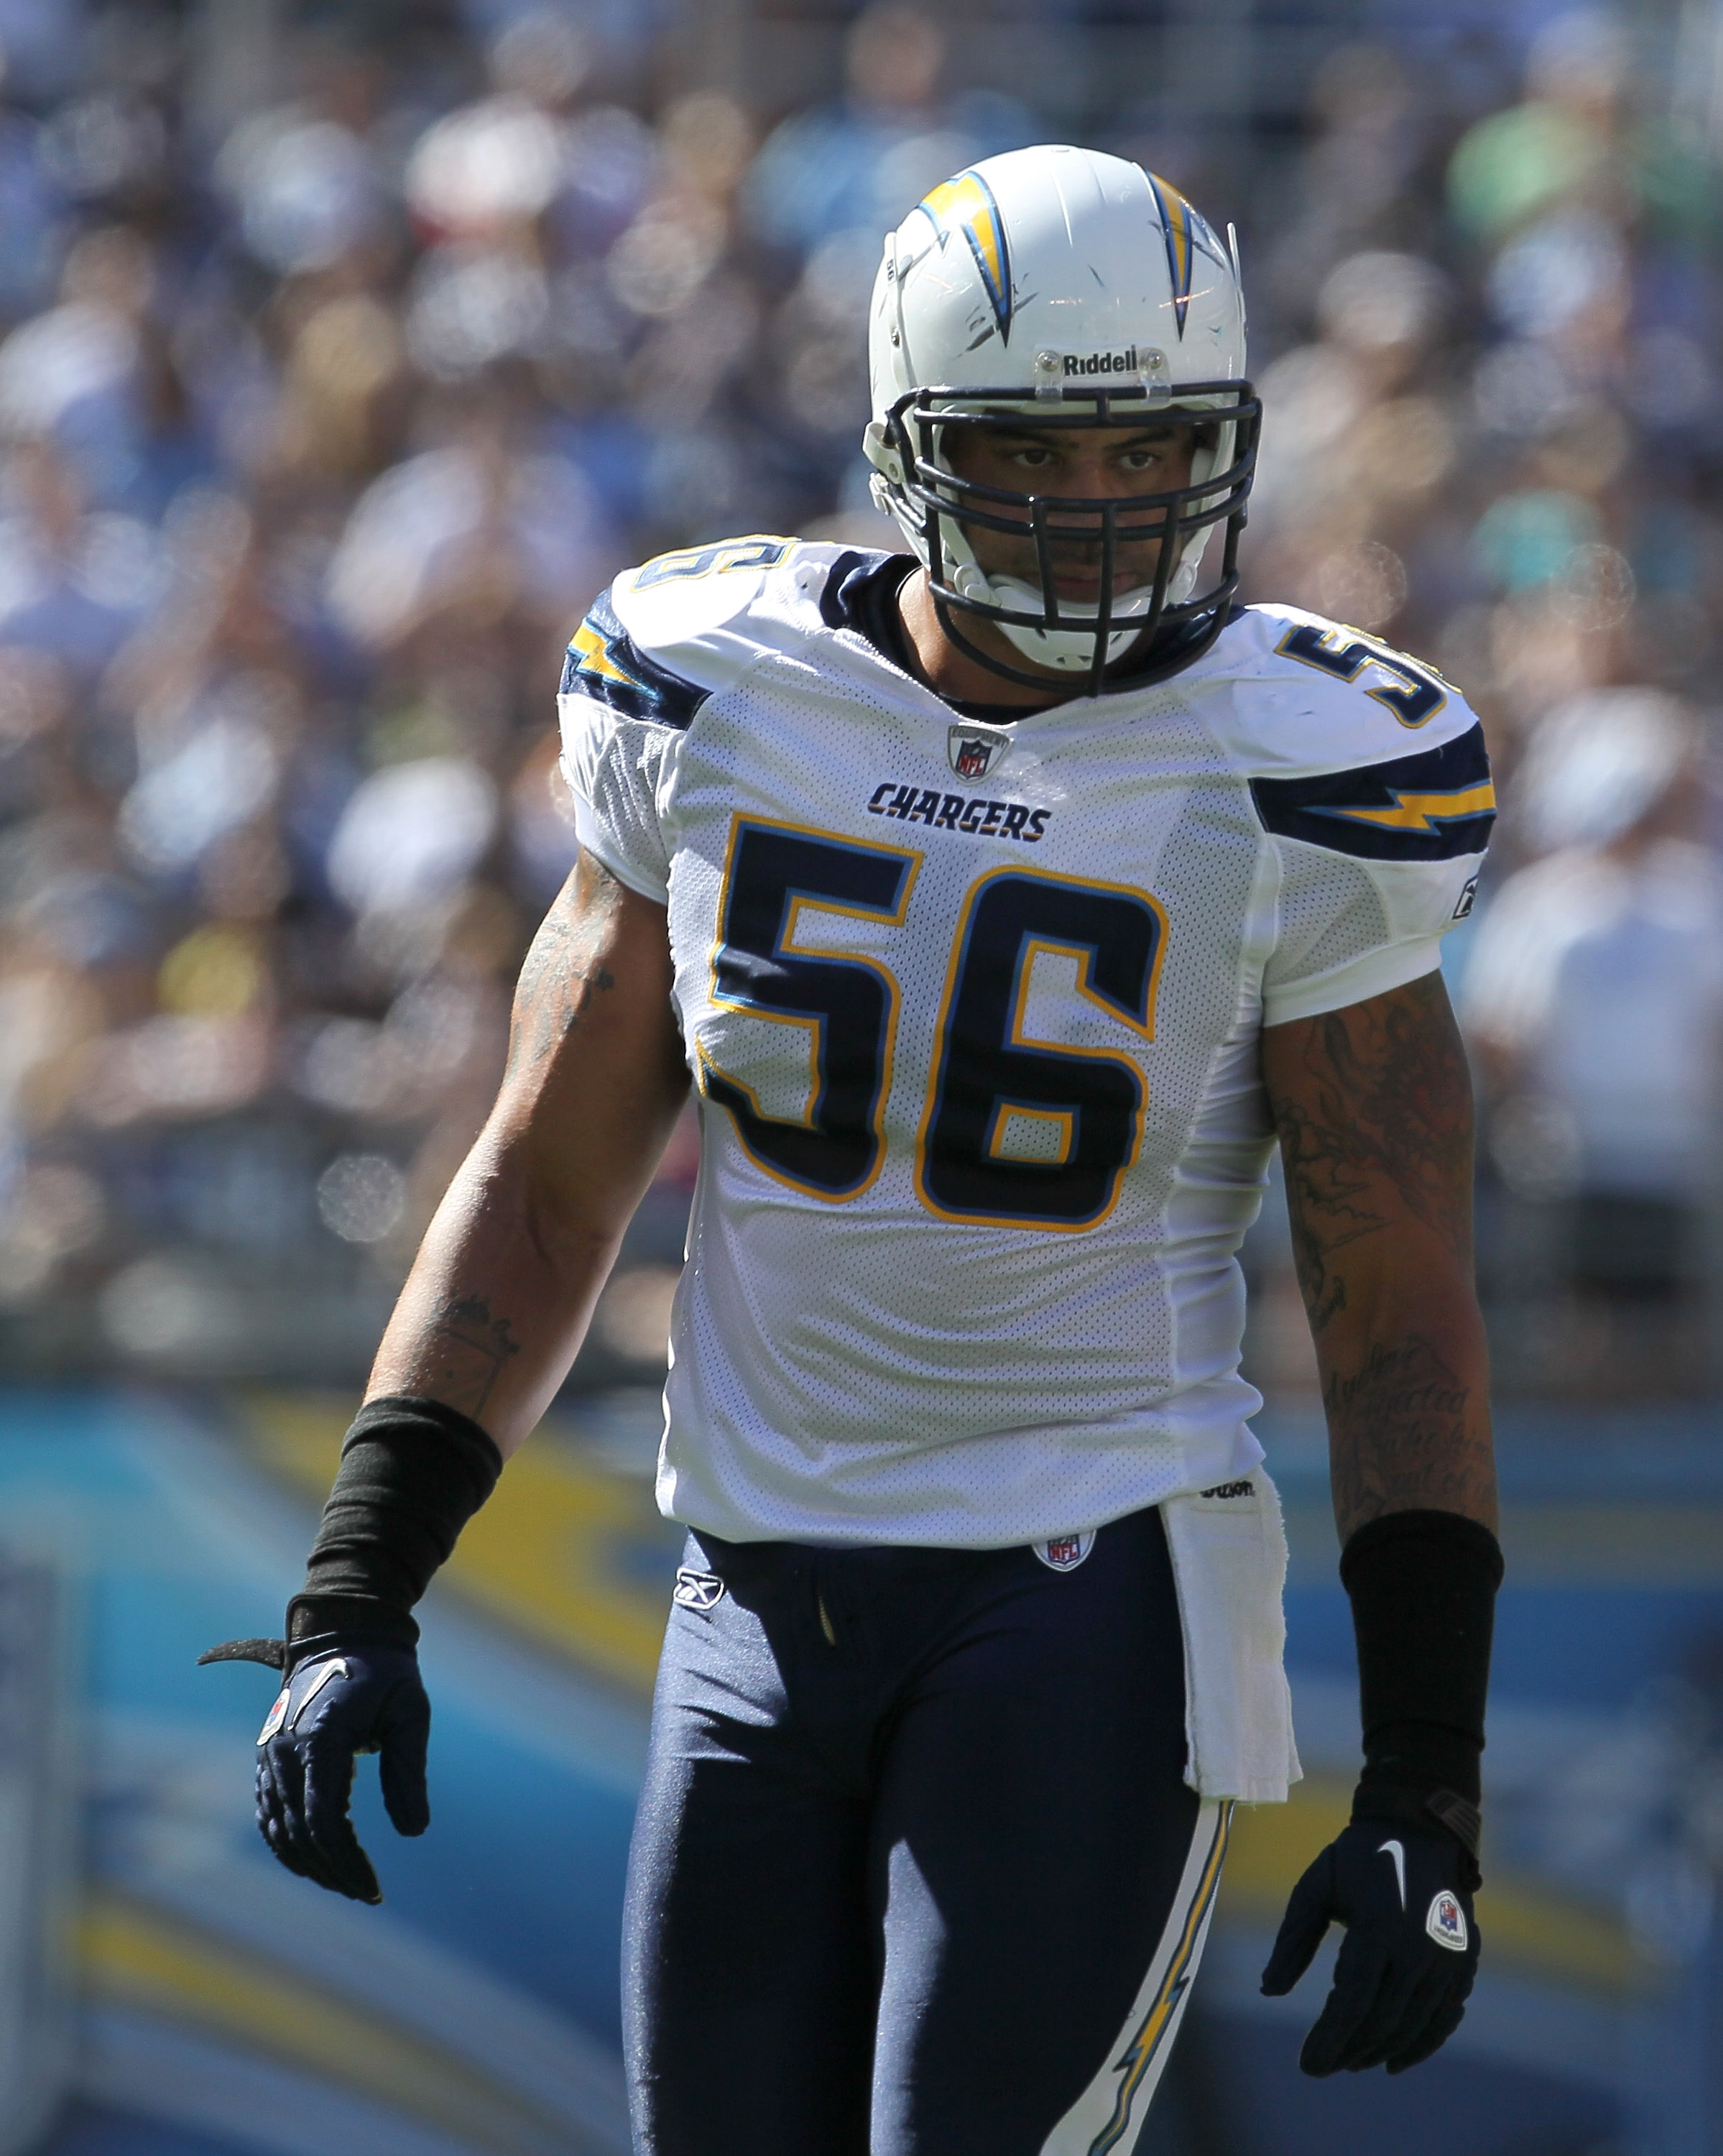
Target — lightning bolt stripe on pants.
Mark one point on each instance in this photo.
(1108, 2117)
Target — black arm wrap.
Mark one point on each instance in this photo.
(412, 1473)
(1422, 1587)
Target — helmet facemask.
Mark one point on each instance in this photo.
(938, 511)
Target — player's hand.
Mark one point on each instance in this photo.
(1410, 1953)
(345, 1699)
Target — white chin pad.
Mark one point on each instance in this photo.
(1070, 650)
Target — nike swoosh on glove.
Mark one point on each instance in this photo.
(343, 1699)
(1406, 1965)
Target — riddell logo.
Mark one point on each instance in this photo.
(1104, 363)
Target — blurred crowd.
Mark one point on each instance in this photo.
(322, 418)
(1497, 444)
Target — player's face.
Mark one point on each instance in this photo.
(1080, 464)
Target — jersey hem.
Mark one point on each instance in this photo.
(595, 841)
(1374, 974)
(1238, 1457)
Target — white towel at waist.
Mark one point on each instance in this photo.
(1229, 1560)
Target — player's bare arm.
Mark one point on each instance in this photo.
(1372, 1104)
(503, 1285)
(483, 1335)
(1373, 1108)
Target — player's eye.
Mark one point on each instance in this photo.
(1032, 456)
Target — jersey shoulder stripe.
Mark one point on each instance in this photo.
(1430, 806)
(605, 663)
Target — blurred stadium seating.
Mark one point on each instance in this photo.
(345, 352)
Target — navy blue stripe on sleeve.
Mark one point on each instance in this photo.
(1424, 807)
(604, 662)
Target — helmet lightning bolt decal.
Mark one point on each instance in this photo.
(967, 205)
(1141, 2051)
(1176, 216)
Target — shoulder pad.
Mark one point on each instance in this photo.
(683, 626)
(605, 663)
(1307, 694)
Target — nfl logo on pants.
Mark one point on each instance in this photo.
(1065, 1553)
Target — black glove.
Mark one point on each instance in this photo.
(1406, 1965)
(413, 1472)
(341, 1698)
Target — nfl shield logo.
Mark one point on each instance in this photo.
(1446, 1923)
(278, 1715)
(1065, 1553)
(975, 749)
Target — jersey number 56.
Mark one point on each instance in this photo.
(1014, 1131)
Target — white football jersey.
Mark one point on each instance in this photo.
(972, 1010)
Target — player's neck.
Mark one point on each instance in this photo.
(951, 674)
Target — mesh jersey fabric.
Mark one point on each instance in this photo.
(1095, 923)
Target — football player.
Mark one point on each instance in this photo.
(1003, 900)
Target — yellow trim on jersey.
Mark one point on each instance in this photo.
(1030, 1112)
(1140, 2053)
(1015, 1035)
(758, 550)
(1408, 673)
(1035, 946)
(789, 948)
(1423, 811)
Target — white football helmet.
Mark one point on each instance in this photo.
(1080, 289)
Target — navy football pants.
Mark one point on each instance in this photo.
(915, 1871)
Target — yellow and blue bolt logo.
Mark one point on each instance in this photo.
(967, 205)
(1425, 812)
(1177, 224)
(590, 650)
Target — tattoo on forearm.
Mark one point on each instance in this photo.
(561, 976)
(468, 1349)
(1380, 1124)
(1404, 1436)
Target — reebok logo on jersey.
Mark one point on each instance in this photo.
(1065, 1553)
(960, 812)
(697, 1590)
(1446, 1923)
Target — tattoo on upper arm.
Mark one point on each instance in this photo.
(563, 975)
(1373, 1108)
(468, 1349)
(1378, 1123)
